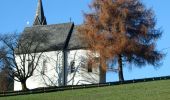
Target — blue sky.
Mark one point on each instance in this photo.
(15, 14)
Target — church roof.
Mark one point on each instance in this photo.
(60, 36)
(75, 42)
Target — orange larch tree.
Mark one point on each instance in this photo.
(123, 30)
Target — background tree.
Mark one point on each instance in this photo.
(123, 30)
(21, 53)
(6, 82)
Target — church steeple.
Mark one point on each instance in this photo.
(39, 17)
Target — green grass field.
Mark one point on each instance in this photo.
(156, 90)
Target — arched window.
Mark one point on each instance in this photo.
(89, 66)
(30, 65)
(44, 67)
(72, 66)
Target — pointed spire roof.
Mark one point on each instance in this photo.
(39, 17)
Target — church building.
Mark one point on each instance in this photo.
(64, 60)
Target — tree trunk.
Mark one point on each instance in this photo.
(24, 86)
(120, 68)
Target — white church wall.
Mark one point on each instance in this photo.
(53, 76)
(80, 75)
(50, 60)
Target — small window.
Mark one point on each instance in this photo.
(30, 66)
(89, 66)
(72, 66)
(44, 67)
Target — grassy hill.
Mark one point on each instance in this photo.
(155, 90)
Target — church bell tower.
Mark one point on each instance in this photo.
(39, 17)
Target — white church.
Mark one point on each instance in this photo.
(64, 61)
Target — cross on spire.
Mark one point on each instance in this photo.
(39, 17)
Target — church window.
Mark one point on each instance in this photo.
(72, 66)
(89, 66)
(44, 67)
(30, 66)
